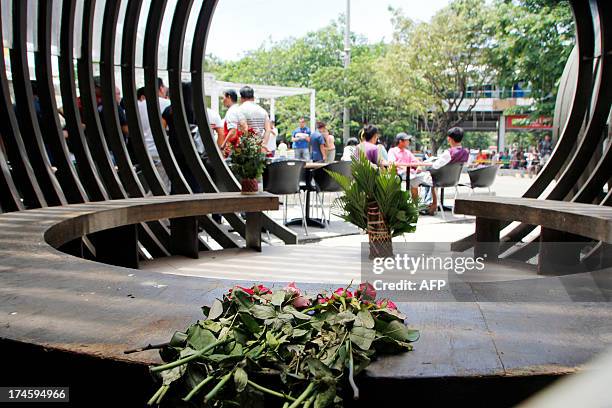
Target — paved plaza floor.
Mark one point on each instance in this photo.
(330, 255)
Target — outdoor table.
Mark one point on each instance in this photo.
(309, 168)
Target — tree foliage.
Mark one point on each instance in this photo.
(531, 41)
(417, 82)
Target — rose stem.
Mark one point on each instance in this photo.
(189, 358)
(351, 368)
(145, 348)
(154, 397)
(286, 405)
(161, 395)
(303, 396)
(197, 388)
(218, 387)
(309, 402)
(269, 391)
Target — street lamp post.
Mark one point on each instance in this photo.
(347, 60)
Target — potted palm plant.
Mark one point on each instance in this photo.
(374, 201)
(248, 161)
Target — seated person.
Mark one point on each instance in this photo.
(375, 153)
(456, 154)
(349, 149)
(406, 163)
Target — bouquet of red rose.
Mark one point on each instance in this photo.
(309, 348)
(247, 158)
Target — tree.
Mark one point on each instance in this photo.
(442, 64)
(531, 41)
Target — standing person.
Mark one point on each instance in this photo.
(231, 121)
(254, 116)
(482, 157)
(494, 157)
(216, 125)
(170, 119)
(301, 138)
(143, 114)
(532, 162)
(147, 134)
(140, 94)
(272, 140)
(545, 148)
(330, 146)
(318, 143)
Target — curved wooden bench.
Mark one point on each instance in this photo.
(562, 223)
(112, 225)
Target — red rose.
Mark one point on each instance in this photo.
(341, 292)
(247, 290)
(260, 290)
(366, 291)
(292, 289)
(323, 300)
(386, 303)
(301, 302)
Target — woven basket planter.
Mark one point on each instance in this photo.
(378, 233)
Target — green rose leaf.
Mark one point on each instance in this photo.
(318, 369)
(397, 331)
(216, 310)
(298, 315)
(170, 376)
(362, 337)
(242, 299)
(278, 297)
(178, 339)
(240, 379)
(263, 312)
(365, 319)
(199, 337)
(344, 318)
(299, 332)
(250, 323)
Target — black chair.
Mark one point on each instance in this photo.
(483, 177)
(326, 184)
(283, 178)
(445, 177)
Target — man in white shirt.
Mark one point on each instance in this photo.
(254, 116)
(145, 124)
(456, 154)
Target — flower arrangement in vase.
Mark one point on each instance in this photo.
(247, 160)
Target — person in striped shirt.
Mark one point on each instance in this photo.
(254, 116)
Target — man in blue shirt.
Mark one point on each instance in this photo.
(317, 142)
(300, 138)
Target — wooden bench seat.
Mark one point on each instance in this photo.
(562, 223)
(112, 224)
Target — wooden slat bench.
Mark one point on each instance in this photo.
(562, 223)
(112, 224)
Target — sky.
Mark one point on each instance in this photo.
(254, 22)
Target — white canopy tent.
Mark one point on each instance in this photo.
(215, 89)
